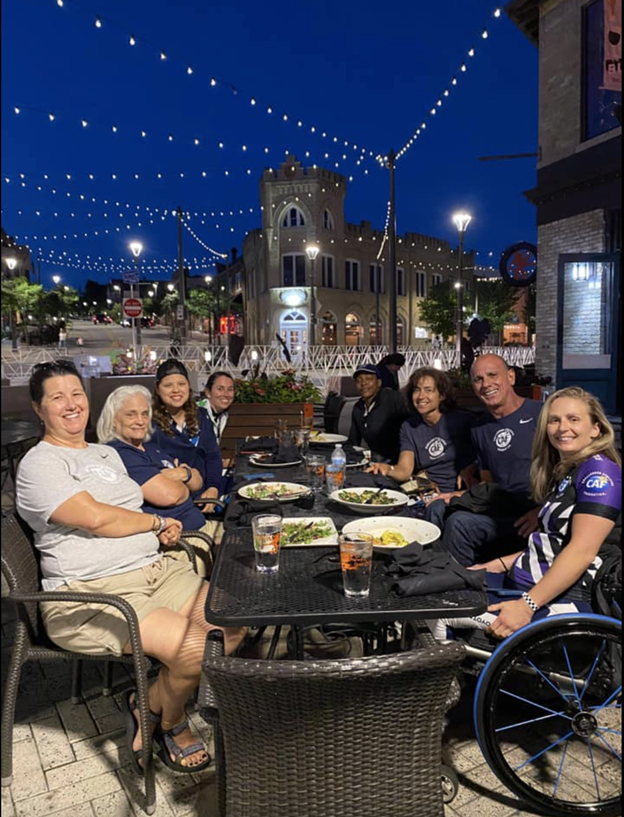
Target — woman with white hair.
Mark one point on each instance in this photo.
(167, 485)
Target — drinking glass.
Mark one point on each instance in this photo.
(302, 440)
(316, 464)
(280, 427)
(267, 533)
(356, 560)
(335, 477)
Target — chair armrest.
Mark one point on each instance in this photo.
(188, 550)
(218, 503)
(197, 534)
(206, 701)
(122, 605)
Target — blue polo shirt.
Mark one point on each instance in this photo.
(200, 451)
(142, 466)
(443, 449)
(504, 446)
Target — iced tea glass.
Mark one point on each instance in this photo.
(356, 561)
(267, 534)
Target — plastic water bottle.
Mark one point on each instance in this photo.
(336, 470)
(338, 457)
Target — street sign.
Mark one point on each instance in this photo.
(180, 312)
(131, 276)
(133, 307)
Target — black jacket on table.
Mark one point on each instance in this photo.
(380, 427)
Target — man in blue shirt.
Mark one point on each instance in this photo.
(503, 441)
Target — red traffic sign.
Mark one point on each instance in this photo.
(133, 307)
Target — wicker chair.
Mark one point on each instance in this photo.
(346, 738)
(21, 569)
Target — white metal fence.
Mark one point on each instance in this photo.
(324, 365)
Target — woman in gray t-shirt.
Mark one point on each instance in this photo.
(86, 515)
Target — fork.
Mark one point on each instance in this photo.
(370, 498)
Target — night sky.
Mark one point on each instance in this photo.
(366, 73)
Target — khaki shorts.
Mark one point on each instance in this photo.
(212, 529)
(95, 629)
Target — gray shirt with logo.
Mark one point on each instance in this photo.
(48, 476)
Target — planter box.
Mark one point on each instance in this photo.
(259, 419)
(467, 399)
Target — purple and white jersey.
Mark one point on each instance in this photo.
(594, 488)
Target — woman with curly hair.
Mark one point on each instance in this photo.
(183, 430)
(576, 476)
(437, 440)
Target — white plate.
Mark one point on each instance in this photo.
(399, 499)
(260, 463)
(294, 491)
(357, 464)
(332, 539)
(414, 530)
(327, 439)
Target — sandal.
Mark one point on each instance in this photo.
(132, 728)
(165, 739)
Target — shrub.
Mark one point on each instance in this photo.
(286, 388)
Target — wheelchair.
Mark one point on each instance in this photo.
(547, 708)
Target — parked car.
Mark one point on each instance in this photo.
(101, 318)
(125, 322)
(146, 322)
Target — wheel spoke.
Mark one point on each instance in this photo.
(559, 773)
(591, 672)
(613, 695)
(533, 703)
(608, 745)
(567, 658)
(591, 757)
(543, 752)
(546, 678)
(524, 723)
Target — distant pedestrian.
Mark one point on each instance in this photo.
(436, 343)
(389, 370)
(80, 342)
(62, 338)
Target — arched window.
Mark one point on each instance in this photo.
(328, 220)
(376, 334)
(353, 330)
(400, 333)
(293, 217)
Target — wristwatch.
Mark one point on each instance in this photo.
(160, 523)
(391, 471)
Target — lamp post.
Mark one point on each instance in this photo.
(56, 279)
(312, 251)
(461, 221)
(11, 264)
(211, 322)
(181, 278)
(136, 248)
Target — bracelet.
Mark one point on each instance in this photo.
(503, 564)
(189, 474)
(391, 471)
(530, 602)
(160, 523)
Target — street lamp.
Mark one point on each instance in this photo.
(136, 248)
(11, 264)
(56, 279)
(461, 221)
(312, 251)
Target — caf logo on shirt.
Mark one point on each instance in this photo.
(563, 485)
(597, 482)
(103, 472)
(503, 439)
(436, 447)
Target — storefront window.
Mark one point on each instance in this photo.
(587, 315)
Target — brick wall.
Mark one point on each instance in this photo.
(581, 234)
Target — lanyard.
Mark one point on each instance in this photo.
(218, 422)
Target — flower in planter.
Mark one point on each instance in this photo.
(127, 363)
(285, 388)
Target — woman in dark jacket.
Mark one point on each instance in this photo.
(183, 430)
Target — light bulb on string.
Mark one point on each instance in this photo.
(132, 41)
(98, 22)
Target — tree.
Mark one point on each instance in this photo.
(438, 311)
(200, 302)
(61, 301)
(19, 297)
(496, 302)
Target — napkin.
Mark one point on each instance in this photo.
(263, 444)
(420, 572)
(369, 481)
(240, 512)
(285, 453)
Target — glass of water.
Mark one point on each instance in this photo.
(316, 464)
(267, 534)
(356, 561)
(302, 440)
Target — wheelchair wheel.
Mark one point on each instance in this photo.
(548, 715)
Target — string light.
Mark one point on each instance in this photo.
(194, 140)
(132, 39)
(434, 110)
(203, 243)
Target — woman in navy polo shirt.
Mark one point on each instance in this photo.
(166, 483)
(183, 430)
(437, 440)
